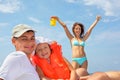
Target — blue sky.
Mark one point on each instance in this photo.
(103, 46)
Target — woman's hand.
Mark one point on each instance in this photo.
(98, 17)
(55, 17)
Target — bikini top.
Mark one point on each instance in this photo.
(77, 43)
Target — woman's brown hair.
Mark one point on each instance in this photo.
(82, 29)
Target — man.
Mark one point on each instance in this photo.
(17, 65)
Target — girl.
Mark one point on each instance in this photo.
(52, 65)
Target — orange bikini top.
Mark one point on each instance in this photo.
(57, 68)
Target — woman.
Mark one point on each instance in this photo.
(78, 41)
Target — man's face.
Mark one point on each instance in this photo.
(25, 42)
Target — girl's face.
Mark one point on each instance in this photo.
(43, 50)
(77, 30)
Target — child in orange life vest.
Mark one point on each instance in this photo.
(51, 64)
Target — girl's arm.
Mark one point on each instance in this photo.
(41, 75)
(73, 75)
(69, 35)
(91, 28)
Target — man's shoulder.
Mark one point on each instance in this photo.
(14, 59)
(16, 55)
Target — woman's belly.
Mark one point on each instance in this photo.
(78, 52)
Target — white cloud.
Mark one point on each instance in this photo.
(3, 24)
(111, 7)
(1, 39)
(111, 20)
(109, 36)
(34, 19)
(9, 6)
(72, 1)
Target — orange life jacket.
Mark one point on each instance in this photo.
(57, 68)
